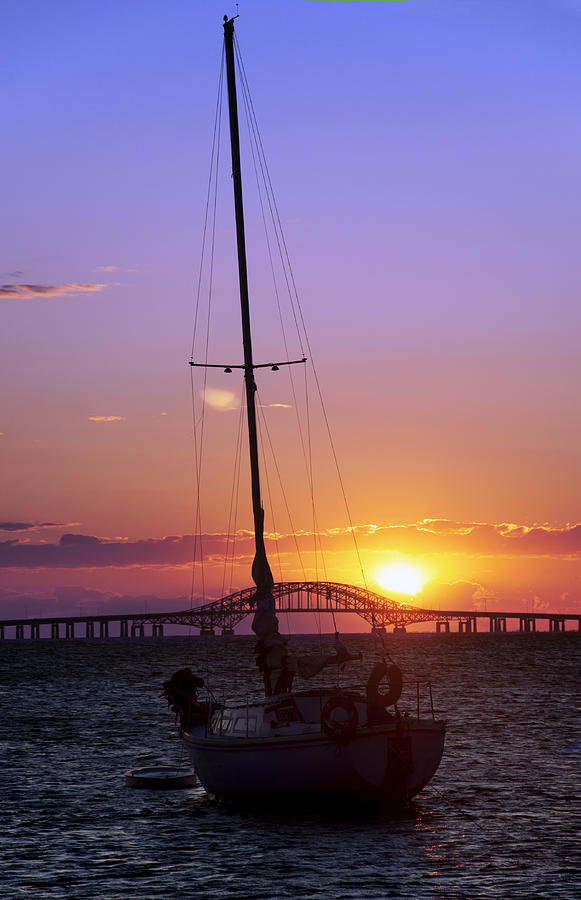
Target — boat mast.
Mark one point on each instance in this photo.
(260, 570)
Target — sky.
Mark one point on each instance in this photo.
(424, 157)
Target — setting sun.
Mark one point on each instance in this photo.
(402, 578)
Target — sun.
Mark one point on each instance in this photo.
(401, 578)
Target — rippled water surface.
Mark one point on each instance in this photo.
(501, 819)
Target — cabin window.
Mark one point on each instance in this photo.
(245, 725)
(221, 723)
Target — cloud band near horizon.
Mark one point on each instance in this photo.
(427, 537)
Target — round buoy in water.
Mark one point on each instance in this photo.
(165, 777)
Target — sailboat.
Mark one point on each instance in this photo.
(323, 740)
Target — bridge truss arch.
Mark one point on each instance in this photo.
(304, 597)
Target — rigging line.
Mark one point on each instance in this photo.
(241, 431)
(274, 208)
(254, 135)
(316, 535)
(197, 516)
(280, 481)
(216, 121)
(272, 515)
(275, 285)
(199, 436)
(334, 622)
(212, 245)
(228, 533)
(310, 472)
(232, 495)
(337, 467)
(271, 506)
(253, 142)
(298, 304)
(269, 190)
(199, 458)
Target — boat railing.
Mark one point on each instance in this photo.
(420, 696)
(240, 721)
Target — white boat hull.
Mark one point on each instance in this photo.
(394, 761)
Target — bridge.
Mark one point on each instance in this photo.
(293, 597)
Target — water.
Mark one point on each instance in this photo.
(501, 819)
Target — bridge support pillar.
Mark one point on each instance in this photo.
(20, 632)
(556, 623)
(90, 630)
(104, 628)
(498, 623)
(379, 629)
(54, 630)
(123, 628)
(69, 630)
(1, 632)
(227, 629)
(206, 629)
(445, 625)
(157, 629)
(399, 629)
(137, 629)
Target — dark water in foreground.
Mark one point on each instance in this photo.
(501, 819)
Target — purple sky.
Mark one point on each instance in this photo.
(425, 157)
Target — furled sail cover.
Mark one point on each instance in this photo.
(277, 667)
(271, 646)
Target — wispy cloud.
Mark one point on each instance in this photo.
(132, 269)
(225, 401)
(106, 419)
(34, 526)
(29, 291)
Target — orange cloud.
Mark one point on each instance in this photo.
(106, 418)
(28, 291)
(220, 399)
(78, 550)
(33, 526)
(275, 405)
(476, 538)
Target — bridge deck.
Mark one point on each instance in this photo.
(290, 597)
